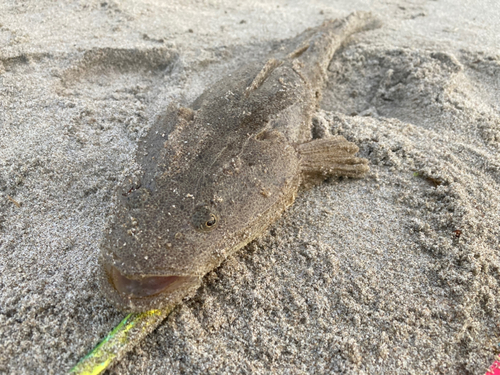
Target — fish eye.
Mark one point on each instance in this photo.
(212, 221)
(204, 219)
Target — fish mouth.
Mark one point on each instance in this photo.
(147, 286)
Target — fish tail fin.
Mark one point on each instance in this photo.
(314, 54)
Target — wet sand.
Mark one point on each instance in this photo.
(395, 273)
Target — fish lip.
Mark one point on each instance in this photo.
(147, 286)
(128, 298)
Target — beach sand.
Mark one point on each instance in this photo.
(397, 273)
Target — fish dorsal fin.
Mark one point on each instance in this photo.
(264, 73)
(299, 51)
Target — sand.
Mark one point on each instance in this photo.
(395, 273)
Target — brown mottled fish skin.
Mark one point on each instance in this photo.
(215, 176)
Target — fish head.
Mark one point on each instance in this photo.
(196, 199)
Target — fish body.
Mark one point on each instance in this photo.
(214, 176)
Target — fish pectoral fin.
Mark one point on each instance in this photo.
(149, 148)
(164, 124)
(333, 156)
